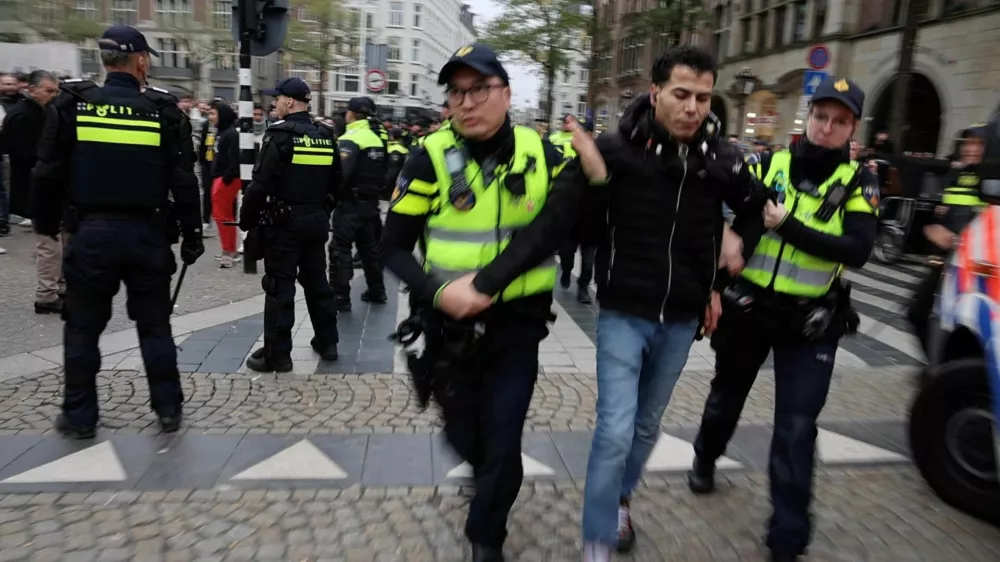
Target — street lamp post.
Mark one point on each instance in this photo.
(743, 86)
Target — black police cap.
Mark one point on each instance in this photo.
(125, 39)
(477, 56)
(363, 105)
(843, 90)
(293, 87)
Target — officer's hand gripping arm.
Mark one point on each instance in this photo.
(50, 176)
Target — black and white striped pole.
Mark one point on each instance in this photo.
(260, 27)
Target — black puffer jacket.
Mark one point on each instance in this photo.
(227, 147)
(658, 223)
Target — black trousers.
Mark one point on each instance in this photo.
(206, 192)
(802, 372)
(100, 256)
(567, 255)
(484, 407)
(296, 251)
(356, 222)
(919, 311)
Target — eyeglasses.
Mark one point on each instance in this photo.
(478, 93)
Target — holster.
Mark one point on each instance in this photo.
(254, 244)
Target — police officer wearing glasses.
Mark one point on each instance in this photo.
(295, 180)
(465, 193)
(114, 153)
(789, 298)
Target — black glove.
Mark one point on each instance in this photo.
(192, 248)
(330, 203)
(724, 163)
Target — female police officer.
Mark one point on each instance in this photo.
(789, 298)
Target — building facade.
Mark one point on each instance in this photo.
(193, 37)
(570, 87)
(420, 37)
(956, 63)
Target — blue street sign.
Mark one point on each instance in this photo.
(811, 80)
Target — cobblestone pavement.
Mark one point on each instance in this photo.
(260, 403)
(205, 286)
(874, 514)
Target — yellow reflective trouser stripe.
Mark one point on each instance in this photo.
(117, 136)
(820, 278)
(111, 121)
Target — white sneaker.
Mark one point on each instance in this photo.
(2, 251)
(596, 552)
(226, 262)
(207, 230)
(25, 223)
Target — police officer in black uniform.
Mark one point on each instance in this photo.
(357, 219)
(294, 182)
(113, 153)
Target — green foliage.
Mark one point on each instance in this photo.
(56, 20)
(314, 38)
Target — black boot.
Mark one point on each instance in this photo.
(54, 307)
(779, 557)
(260, 361)
(170, 424)
(68, 429)
(343, 303)
(483, 553)
(583, 295)
(328, 351)
(701, 477)
(565, 280)
(375, 297)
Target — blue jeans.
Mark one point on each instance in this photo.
(638, 364)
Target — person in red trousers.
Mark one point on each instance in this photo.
(225, 179)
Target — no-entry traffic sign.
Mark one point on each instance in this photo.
(819, 57)
(375, 80)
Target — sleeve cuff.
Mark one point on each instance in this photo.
(599, 183)
(722, 280)
(437, 294)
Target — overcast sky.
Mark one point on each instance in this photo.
(524, 81)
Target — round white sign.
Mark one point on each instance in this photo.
(376, 81)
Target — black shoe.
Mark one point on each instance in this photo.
(54, 307)
(375, 297)
(343, 305)
(327, 351)
(626, 533)
(65, 427)
(483, 553)
(701, 477)
(583, 296)
(170, 424)
(779, 557)
(565, 280)
(356, 261)
(260, 362)
(4, 230)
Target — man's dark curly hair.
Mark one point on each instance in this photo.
(683, 55)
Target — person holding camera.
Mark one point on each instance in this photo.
(789, 298)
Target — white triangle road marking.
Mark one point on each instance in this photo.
(94, 464)
(673, 453)
(301, 461)
(835, 448)
(531, 468)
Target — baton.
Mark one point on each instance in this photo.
(177, 289)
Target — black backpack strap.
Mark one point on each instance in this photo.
(84, 90)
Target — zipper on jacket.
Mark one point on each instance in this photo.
(611, 253)
(682, 151)
(715, 273)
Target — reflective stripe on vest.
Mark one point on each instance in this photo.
(307, 155)
(91, 128)
(461, 242)
(965, 194)
(781, 265)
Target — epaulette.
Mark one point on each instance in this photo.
(73, 80)
(278, 122)
(161, 90)
(78, 87)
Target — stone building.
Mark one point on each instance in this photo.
(957, 63)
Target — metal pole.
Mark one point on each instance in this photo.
(246, 124)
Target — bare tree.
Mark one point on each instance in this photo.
(324, 36)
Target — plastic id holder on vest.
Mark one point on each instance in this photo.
(460, 194)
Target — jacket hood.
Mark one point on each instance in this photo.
(638, 125)
(226, 116)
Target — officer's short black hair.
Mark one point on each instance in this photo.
(683, 55)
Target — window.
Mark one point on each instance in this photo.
(395, 52)
(819, 22)
(393, 76)
(586, 44)
(85, 10)
(779, 26)
(222, 14)
(124, 12)
(747, 25)
(395, 14)
(584, 74)
(347, 81)
(414, 83)
(721, 20)
(369, 21)
(799, 31)
(172, 13)
(417, 12)
(581, 105)
(415, 54)
(633, 50)
(172, 54)
(225, 55)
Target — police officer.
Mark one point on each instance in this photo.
(294, 182)
(960, 202)
(562, 137)
(397, 155)
(357, 219)
(114, 153)
(789, 299)
(466, 192)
